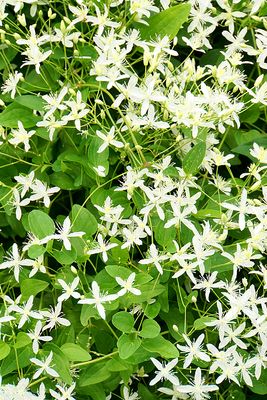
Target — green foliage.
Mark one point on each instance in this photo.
(40, 224)
(193, 159)
(167, 22)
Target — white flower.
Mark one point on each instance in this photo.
(102, 247)
(101, 20)
(127, 286)
(18, 203)
(20, 135)
(51, 123)
(127, 395)
(100, 170)
(14, 260)
(19, 391)
(38, 265)
(69, 290)
(174, 392)
(108, 139)
(232, 335)
(54, 317)
(242, 208)
(36, 337)
(154, 258)
(35, 57)
(25, 181)
(64, 234)
(209, 283)
(65, 393)
(259, 152)
(10, 85)
(142, 8)
(41, 191)
(98, 299)
(164, 372)
(193, 349)
(188, 267)
(78, 110)
(198, 390)
(54, 102)
(26, 312)
(44, 366)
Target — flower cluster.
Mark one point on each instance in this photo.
(133, 197)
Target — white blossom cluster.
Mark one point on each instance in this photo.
(161, 96)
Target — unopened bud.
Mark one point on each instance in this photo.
(258, 80)
(71, 91)
(67, 20)
(22, 20)
(175, 328)
(245, 282)
(17, 36)
(193, 299)
(50, 14)
(73, 270)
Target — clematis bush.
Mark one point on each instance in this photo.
(133, 199)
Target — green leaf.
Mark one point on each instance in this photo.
(117, 364)
(41, 225)
(95, 159)
(164, 236)
(19, 358)
(218, 263)
(104, 341)
(88, 311)
(123, 321)
(14, 112)
(62, 180)
(237, 394)
(150, 329)
(94, 374)
(152, 310)
(83, 220)
(61, 362)
(4, 350)
(251, 114)
(32, 287)
(65, 257)
(74, 352)
(22, 340)
(6, 55)
(259, 385)
(117, 254)
(167, 22)
(161, 346)
(95, 392)
(200, 323)
(145, 394)
(127, 345)
(31, 101)
(149, 291)
(193, 159)
(36, 251)
(208, 213)
(117, 270)
(47, 80)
